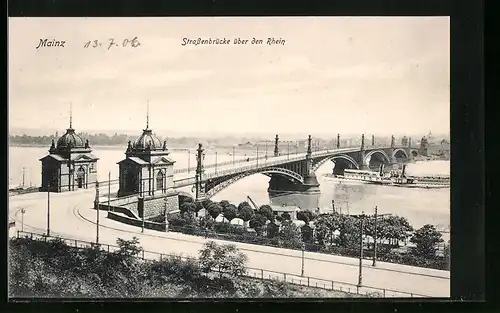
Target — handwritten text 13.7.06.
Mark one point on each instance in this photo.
(134, 43)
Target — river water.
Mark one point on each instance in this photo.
(419, 206)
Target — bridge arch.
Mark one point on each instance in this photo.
(380, 153)
(399, 152)
(351, 163)
(215, 186)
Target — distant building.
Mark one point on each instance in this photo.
(69, 165)
(147, 169)
(290, 209)
(404, 141)
(424, 145)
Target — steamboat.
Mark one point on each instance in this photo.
(395, 178)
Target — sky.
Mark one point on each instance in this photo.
(376, 75)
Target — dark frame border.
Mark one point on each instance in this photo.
(467, 122)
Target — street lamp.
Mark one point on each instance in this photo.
(375, 239)
(257, 146)
(362, 225)
(266, 149)
(143, 214)
(96, 203)
(233, 153)
(22, 219)
(302, 270)
(288, 151)
(215, 162)
(48, 209)
(109, 190)
(189, 161)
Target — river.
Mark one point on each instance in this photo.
(419, 206)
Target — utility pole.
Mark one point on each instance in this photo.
(22, 218)
(109, 190)
(375, 239)
(362, 225)
(48, 209)
(96, 204)
(257, 154)
(142, 226)
(302, 270)
(233, 154)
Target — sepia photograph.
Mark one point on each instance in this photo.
(229, 157)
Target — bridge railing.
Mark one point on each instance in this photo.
(257, 273)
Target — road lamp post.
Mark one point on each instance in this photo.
(48, 209)
(375, 239)
(360, 276)
(216, 162)
(22, 219)
(233, 153)
(302, 270)
(96, 203)
(109, 191)
(257, 154)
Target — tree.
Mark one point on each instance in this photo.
(426, 239)
(289, 235)
(305, 216)
(257, 222)
(326, 225)
(214, 210)
(199, 206)
(302, 217)
(224, 204)
(307, 234)
(230, 212)
(222, 258)
(244, 205)
(285, 216)
(246, 214)
(272, 230)
(187, 207)
(267, 211)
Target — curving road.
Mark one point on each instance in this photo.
(72, 216)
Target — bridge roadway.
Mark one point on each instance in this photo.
(71, 216)
(184, 179)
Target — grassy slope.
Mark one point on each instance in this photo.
(52, 269)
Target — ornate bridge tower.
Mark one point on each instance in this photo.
(311, 184)
(362, 153)
(276, 146)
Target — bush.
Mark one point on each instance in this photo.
(225, 259)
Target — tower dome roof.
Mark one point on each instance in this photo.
(70, 140)
(147, 141)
